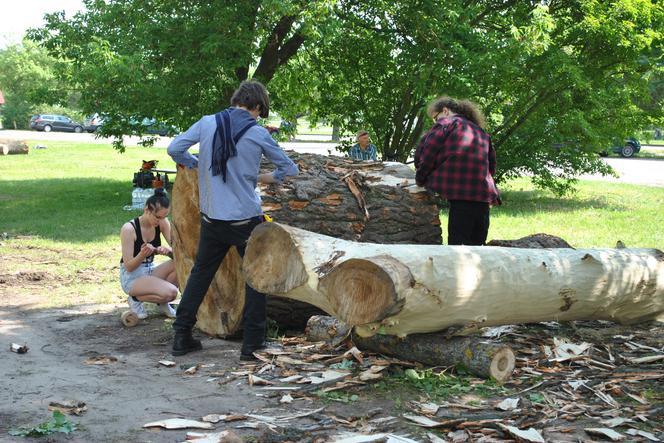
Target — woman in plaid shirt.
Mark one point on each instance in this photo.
(456, 160)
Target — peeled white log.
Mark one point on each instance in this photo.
(405, 289)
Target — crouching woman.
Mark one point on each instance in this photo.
(141, 239)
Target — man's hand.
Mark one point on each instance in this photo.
(266, 178)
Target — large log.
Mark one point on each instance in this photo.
(478, 355)
(372, 202)
(9, 147)
(406, 289)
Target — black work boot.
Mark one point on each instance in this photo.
(183, 343)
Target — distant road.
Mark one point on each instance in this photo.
(638, 171)
(631, 170)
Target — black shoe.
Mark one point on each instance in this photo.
(183, 343)
(247, 357)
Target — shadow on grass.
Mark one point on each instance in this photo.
(535, 201)
(77, 210)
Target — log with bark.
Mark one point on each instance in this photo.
(10, 147)
(406, 289)
(371, 202)
(478, 355)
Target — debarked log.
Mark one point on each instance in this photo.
(372, 202)
(406, 289)
(478, 355)
(9, 147)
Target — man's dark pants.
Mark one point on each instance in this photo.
(216, 239)
(468, 223)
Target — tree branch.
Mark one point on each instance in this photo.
(276, 51)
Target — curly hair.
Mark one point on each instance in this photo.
(464, 107)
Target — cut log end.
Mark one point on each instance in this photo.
(272, 262)
(129, 319)
(502, 365)
(359, 291)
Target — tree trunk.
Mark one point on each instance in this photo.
(8, 147)
(371, 202)
(478, 355)
(406, 289)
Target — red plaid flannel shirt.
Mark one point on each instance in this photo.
(456, 159)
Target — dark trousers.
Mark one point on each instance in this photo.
(216, 239)
(468, 223)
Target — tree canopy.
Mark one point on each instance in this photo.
(29, 82)
(558, 80)
(173, 60)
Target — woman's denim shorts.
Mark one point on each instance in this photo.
(127, 279)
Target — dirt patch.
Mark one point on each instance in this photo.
(23, 277)
(84, 354)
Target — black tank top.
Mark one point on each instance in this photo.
(156, 242)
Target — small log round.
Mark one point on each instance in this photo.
(129, 319)
(326, 328)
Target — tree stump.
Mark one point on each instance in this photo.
(362, 201)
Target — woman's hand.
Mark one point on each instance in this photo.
(164, 250)
(147, 250)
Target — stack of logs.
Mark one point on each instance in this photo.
(360, 201)
(361, 242)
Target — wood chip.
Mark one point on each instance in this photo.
(70, 407)
(256, 380)
(19, 349)
(647, 359)
(606, 433)
(509, 404)
(216, 437)
(100, 360)
(216, 418)
(286, 399)
(530, 435)
(178, 423)
(192, 370)
(648, 435)
(282, 360)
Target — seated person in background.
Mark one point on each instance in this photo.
(363, 150)
(141, 241)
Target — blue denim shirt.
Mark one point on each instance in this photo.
(236, 199)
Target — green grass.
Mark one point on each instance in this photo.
(650, 153)
(62, 209)
(597, 215)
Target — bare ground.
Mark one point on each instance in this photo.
(131, 388)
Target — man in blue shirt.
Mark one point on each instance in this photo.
(231, 147)
(363, 149)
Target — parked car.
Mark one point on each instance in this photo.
(92, 123)
(53, 122)
(152, 126)
(628, 149)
